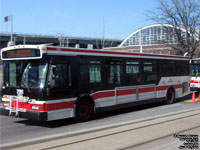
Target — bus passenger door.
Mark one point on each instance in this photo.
(148, 89)
(114, 71)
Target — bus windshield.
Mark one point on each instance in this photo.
(13, 71)
(195, 70)
(34, 75)
(21, 74)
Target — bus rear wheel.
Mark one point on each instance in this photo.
(84, 111)
(170, 96)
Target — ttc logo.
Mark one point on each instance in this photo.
(20, 92)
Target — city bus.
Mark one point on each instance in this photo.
(45, 83)
(195, 75)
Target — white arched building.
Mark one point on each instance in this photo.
(155, 38)
(150, 35)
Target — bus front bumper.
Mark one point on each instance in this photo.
(31, 115)
(195, 89)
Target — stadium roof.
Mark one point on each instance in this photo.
(152, 35)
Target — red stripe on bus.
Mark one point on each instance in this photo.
(61, 105)
(44, 107)
(111, 52)
(126, 92)
(161, 88)
(178, 86)
(97, 95)
(103, 94)
(27, 106)
(165, 87)
(148, 89)
(194, 81)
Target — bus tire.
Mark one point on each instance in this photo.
(170, 97)
(84, 110)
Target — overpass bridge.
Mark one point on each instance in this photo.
(81, 42)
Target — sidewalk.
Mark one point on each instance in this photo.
(137, 134)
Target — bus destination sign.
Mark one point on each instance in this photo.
(21, 53)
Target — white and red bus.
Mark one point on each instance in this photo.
(195, 75)
(46, 83)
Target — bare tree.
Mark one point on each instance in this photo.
(184, 17)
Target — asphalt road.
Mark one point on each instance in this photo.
(165, 132)
(16, 129)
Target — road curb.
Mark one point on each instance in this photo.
(190, 101)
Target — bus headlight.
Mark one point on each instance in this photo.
(36, 107)
(25, 99)
(6, 96)
(6, 104)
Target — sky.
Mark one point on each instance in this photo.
(111, 19)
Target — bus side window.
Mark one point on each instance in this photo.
(95, 72)
(51, 80)
(90, 73)
(114, 72)
(149, 72)
(133, 72)
(60, 76)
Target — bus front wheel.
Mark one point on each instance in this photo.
(84, 111)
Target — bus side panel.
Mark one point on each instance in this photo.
(180, 84)
(61, 114)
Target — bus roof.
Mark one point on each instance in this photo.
(56, 50)
(109, 53)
